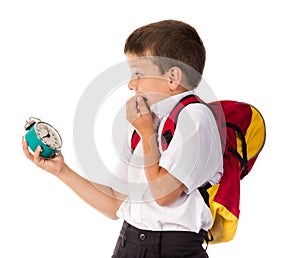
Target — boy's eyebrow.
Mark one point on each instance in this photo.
(134, 66)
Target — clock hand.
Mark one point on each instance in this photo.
(48, 133)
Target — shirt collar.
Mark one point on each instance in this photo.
(165, 106)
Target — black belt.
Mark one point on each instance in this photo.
(164, 238)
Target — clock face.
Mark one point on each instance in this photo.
(48, 135)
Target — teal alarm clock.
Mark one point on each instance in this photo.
(39, 133)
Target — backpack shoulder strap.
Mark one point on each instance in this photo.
(135, 138)
(170, 124)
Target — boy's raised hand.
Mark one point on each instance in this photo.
(55, 165)
(139, 115)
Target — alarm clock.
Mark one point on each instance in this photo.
(39, 133)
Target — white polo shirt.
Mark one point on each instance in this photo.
(194, 156)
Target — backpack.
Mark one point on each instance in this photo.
(242, 133)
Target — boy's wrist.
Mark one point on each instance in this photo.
(148, 135)
(63, 171)
(151, 152)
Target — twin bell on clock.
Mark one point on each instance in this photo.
(42, 134)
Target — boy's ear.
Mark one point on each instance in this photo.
(175, 77)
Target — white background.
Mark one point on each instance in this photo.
(51, 50)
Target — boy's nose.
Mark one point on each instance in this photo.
(132, 85)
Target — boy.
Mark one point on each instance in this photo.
(164, 214)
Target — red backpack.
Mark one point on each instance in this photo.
(242, 131)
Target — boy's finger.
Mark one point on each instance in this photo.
(131, 109)
(36, 155)
(25, 149)
(143, 107)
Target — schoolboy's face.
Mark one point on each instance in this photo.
(147, 80)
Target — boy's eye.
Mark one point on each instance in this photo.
(138, 75)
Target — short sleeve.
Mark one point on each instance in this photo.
(194, 156)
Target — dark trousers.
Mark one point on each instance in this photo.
(136, 243)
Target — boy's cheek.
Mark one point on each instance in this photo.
(154, 97)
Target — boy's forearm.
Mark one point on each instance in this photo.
(165, 188)
(101, 197)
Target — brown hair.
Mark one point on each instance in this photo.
(177, 41)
